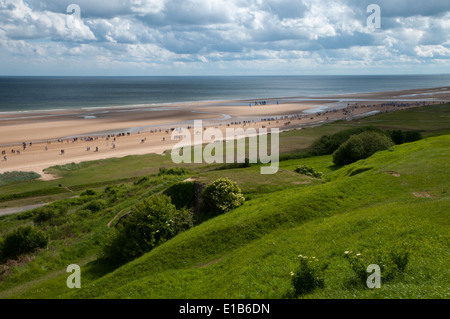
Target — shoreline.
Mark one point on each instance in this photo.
(121, 132)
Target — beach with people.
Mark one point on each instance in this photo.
(34, 141)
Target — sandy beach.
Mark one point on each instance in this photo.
(136, 130)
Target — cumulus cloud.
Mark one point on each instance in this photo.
(226, 34)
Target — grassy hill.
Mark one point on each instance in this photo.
(250, 252)
(374, 207)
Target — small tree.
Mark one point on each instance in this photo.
(361, 146)
(221, 196)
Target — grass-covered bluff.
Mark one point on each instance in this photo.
(375, 207)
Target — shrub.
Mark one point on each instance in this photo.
(89, 192)
(83, 213)
(361, 146)
(153, 222)
(412, 136)
(142, 180)
(392, 264)
(400, 137)
(24, 239)
(44, 214)
(95, 205)
(329, 144)
(308, 171)
(221, 196)
(397, 136)
(181, 194)
(308, 276)
(182, 220)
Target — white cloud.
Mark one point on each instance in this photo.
(226, 34)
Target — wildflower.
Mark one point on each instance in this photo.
(358, 254)
(346, 252)
(292, 274)
(300, 256)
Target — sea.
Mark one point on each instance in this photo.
(49, 93)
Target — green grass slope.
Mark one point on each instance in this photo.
(399, 195)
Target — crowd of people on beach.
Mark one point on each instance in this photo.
(346, 112)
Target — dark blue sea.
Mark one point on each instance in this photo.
(43, 93)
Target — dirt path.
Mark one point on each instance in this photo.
(17, 210)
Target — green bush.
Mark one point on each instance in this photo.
(142, 180)
(89, 192)
(412, 136)
(361, 146)
(153, 222)
(392, 263)
(400, 137)
(181, 194)
(329, 144)
(308, 171)
(24, 239)
(397, 136)
(95, 205)
(308, 276)
(221, 196)
(182, 220)
(83, 213)
(44, 214)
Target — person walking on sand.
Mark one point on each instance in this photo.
(5, 158)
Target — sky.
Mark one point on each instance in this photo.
(223, 37)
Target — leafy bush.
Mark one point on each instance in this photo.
(392, 264)
(308, 171)
(172, 171)
(153, 222)
(361, 146)
(83, 213)
(329, 144)
(400, 137)
(397, 136)
(308, 276)
(24, 239)
(89, 192)
(412, 136)
(95, 205)
(182, 220)
(221, 196)
(142, 180)
(44, 214)
(181, 194)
